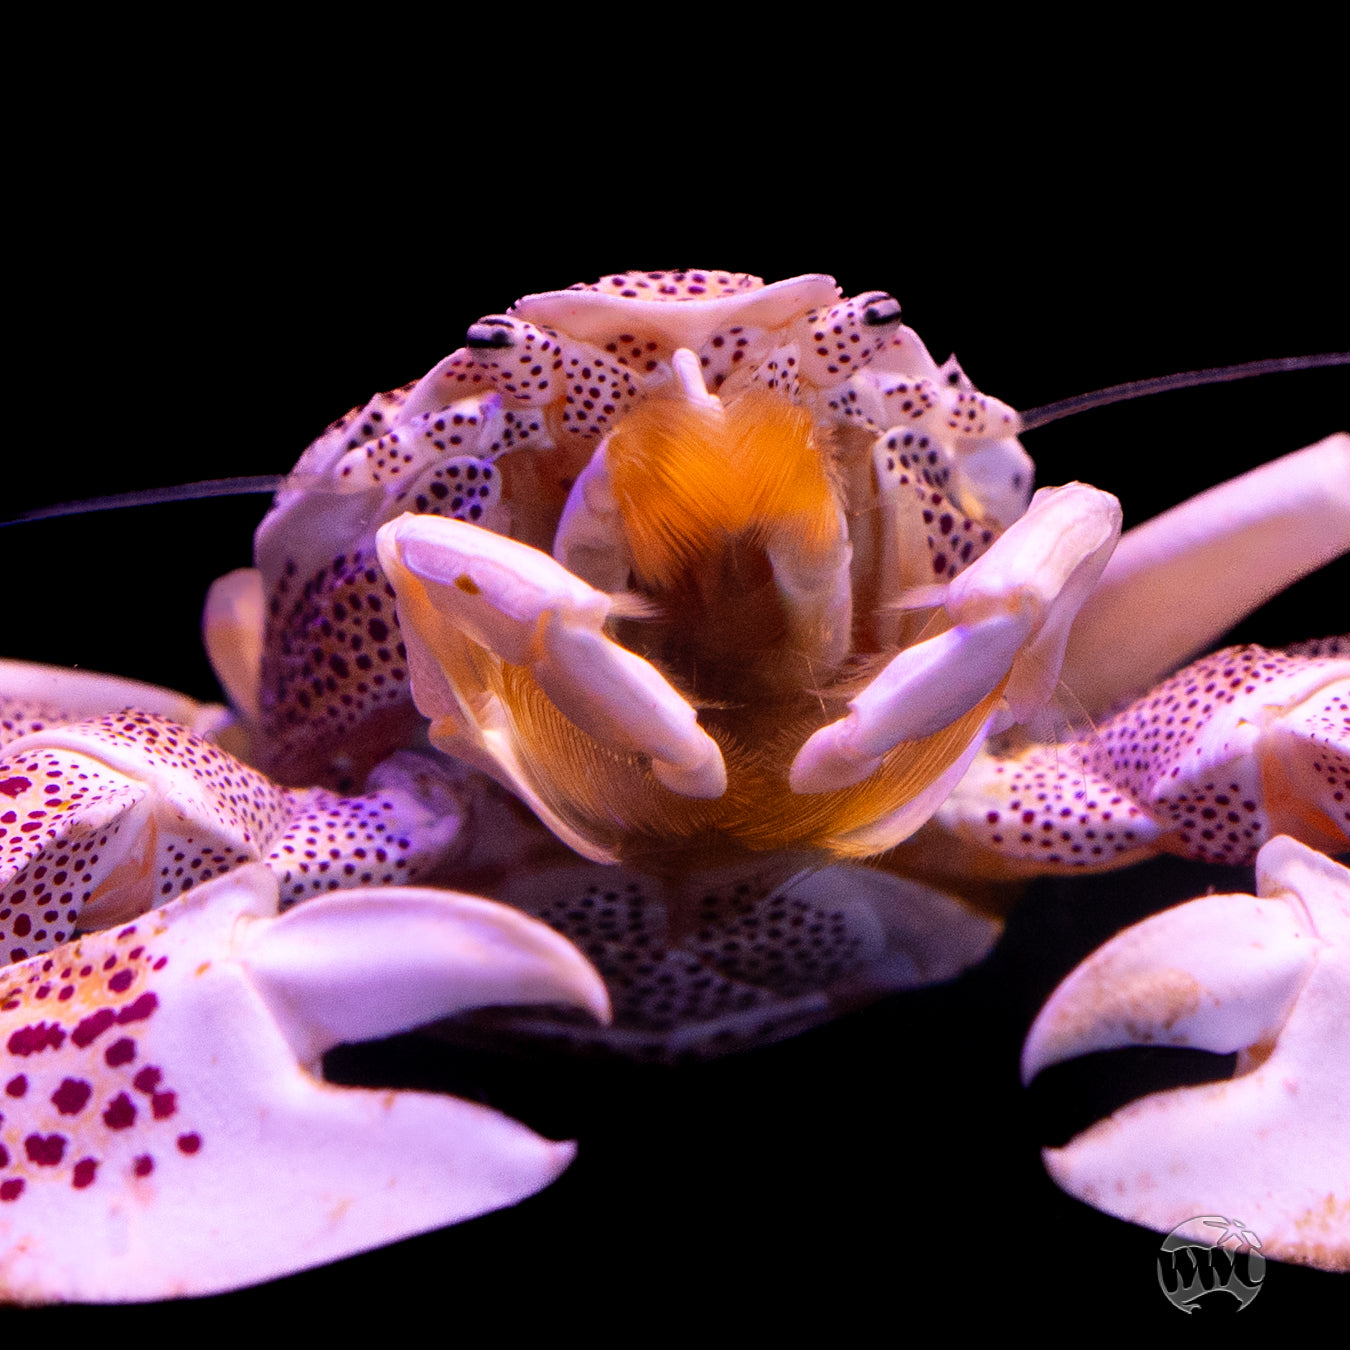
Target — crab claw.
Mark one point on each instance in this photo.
(165, 1132)
(1267, 976)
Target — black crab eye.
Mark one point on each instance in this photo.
(490, 333)
(879, 309)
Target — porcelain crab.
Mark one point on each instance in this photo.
(819, 592)
(703, 569)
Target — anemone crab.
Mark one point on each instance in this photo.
(819, 554)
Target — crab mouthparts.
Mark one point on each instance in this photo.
(726, 514)
(669, 716)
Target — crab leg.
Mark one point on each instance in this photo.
(105, 818)
(165, 1133)
(1267, 976)
(1179, 581)
(34, 696)
(1234, 749)
(1011, 609)
(233, 628)
(590, 541)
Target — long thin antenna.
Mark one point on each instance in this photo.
(1188, 379)
(1035, 417)
(183, 492)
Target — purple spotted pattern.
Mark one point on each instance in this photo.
(80, 1103)
(77, 832)
(1233, 749)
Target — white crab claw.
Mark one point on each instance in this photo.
(1265, 976)
(1012, 610)
(163, 1132)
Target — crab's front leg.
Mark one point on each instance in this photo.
(1267, 977)
(1235, 748)
(165, 1130)
(307, 644)
(1178, 582)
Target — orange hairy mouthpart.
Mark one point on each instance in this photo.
(722, 511)
(611, 796)
(691, 482)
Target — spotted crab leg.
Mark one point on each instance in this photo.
(1178, 582)
(165, 1130)
(1232, 750)
(104, 818)
(1267, 976)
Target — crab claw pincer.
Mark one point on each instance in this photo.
(165, 1130)
(1266, 976)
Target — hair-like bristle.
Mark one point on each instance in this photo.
(777, 817)
(673, 488)
(781, 472)
(724, 511)
(608, 796)
(691, 481)
(632, 605)
(612, 798)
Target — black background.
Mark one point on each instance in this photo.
(194, 300)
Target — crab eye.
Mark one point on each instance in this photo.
(880, 310)
(489, 333)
